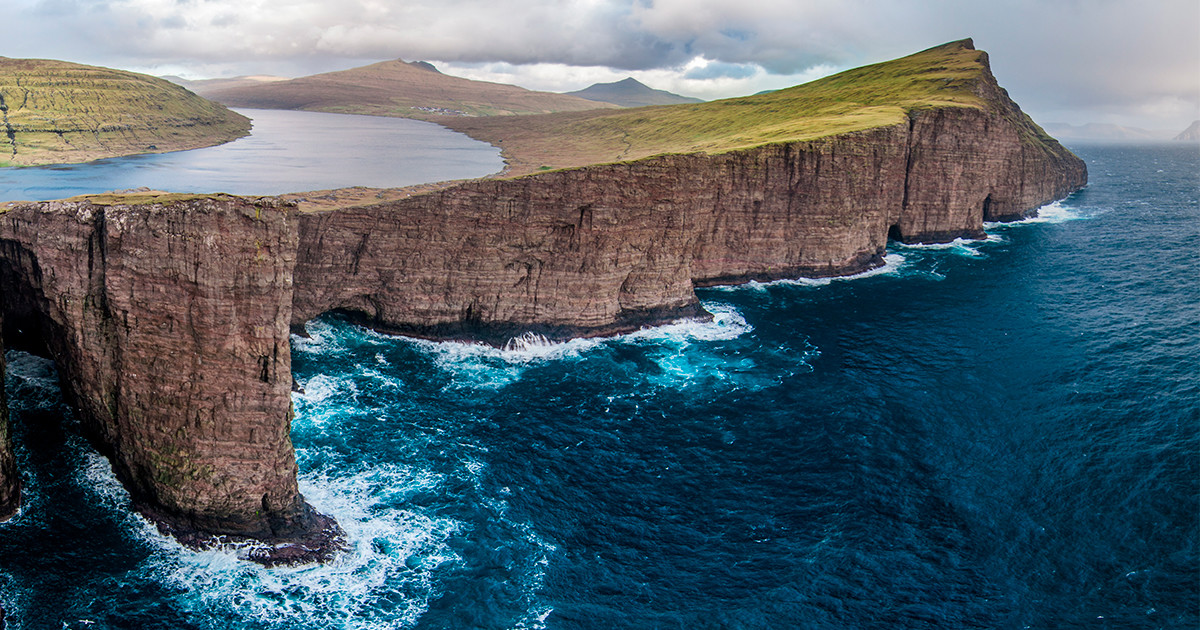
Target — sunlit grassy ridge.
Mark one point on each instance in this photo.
(60, 112)
(951, 75)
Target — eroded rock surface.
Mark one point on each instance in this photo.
(169, 328)
(168, 318)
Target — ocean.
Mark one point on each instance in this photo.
(1001, 433)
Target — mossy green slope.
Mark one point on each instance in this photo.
(55, 112)
(950, 75)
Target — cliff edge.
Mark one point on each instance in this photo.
(168, 315)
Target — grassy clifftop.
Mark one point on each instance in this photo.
(951, 75)
(55, 112)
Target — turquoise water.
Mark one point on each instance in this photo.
(990, 434)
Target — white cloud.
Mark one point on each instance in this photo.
(1053, 55)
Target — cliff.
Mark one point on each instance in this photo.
(169, 326)
(168, 315)
(1191, 134)
(54, 112)
(606, 248)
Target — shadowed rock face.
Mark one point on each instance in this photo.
(10, 479)
(169, 321)
(609, 248)
(169, 327)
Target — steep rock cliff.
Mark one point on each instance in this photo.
(169, 327)
(608, 248)
(168, 316)
(10, 477)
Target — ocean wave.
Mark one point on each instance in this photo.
(893, 263)
(480, 366)
(1054, 212)
(961, 246)
(385, 579)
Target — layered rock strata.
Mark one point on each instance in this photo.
(168, 317)
(10, 477)
(608, 248)
(169, 328)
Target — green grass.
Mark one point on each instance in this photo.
(951, 75)
(59, 112)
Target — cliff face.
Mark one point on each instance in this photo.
(10, 477)
(168, 317)
(169, 327)
(608, 248)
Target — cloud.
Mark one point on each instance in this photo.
(1055, 56)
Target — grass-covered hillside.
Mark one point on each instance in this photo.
(400, 89)
(55, 112)
(951, 75)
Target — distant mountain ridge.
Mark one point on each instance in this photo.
(204, 86)
(630, 92)
(1103, 132)
(1191, 134)
(401, 89)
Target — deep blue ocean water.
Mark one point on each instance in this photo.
(990, 434)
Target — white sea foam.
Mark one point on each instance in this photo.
(481, 366)
(959, 246)
(1055, 212)
(384, 580)
(893, 263)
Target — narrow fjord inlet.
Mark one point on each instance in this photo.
(871, 351)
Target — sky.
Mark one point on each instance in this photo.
(1126, 62)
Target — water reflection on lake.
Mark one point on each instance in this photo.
(286, 152)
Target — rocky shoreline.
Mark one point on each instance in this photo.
(169, 317)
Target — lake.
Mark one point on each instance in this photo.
(286, 152)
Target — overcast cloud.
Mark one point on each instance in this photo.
(1134, 62)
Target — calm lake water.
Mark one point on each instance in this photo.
(286, 152)
(991, 434)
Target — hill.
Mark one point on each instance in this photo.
(630, 92)
(55, 112)
(1103, 132)
(398, 88)
(1191, 134)
(953, 75)
(204, 86)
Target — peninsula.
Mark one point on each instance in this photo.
(54, 112)
(169, 315)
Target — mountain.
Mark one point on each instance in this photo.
(1103, 132)
(398, 88)
(1191, 134)
(953, 76)
(631, 93)
(204, 86)
(169, 316)
(55, 112)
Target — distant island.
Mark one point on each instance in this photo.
(1191, 134)
(630, 92)
(55, 112)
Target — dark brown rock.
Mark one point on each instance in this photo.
(169, 320)
(10, 477)
(169, 327)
